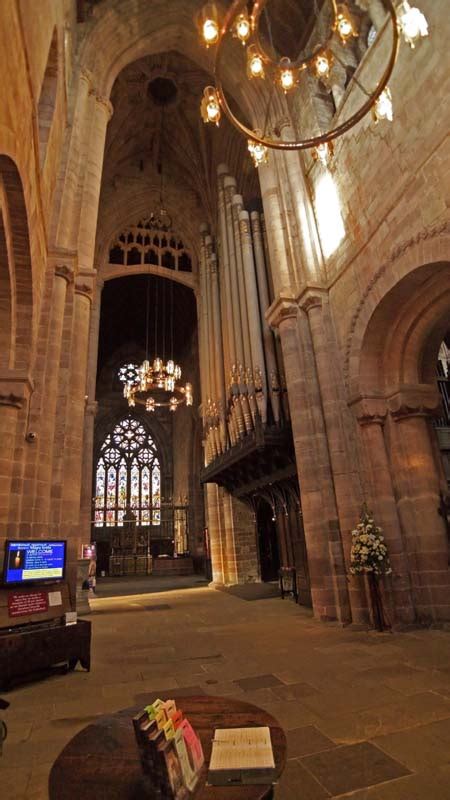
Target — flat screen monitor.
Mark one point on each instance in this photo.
(36, 561)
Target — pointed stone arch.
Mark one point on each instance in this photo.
(16, 292)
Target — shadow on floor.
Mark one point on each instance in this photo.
(146, 584)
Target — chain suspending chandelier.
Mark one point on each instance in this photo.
(159, 382)
(242, 23)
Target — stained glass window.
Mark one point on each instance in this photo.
(128, 474)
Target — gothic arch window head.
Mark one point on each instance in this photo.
(128, 474)
(145, 244)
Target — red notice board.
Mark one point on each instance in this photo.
(21, 604)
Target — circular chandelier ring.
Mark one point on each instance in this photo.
(314, 141)
(299, 63)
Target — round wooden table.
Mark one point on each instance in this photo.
(102, 761)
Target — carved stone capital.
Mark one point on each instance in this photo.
(86, 75)
(84, 289)
(311, 297)
(15, 388)
(105, 104)
(64, 271)
(283, 307)
(59, 257)
(369, 410)
(419, 400)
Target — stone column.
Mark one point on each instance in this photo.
(322, 534)
(417, 484)
(15, 390)
(102, 113)
(66, 214)
(89, 419)
(344, 478)
(380, 496)
(215, 534)
(69, 507)
(63, 277)
(276, 224)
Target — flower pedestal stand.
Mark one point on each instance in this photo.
(376, 602)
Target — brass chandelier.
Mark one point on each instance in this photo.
(159, 382)
(242, 22)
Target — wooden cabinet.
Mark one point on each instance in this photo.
(36, 648)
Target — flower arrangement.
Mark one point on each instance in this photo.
(369, 552)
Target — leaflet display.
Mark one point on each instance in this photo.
(34, 561)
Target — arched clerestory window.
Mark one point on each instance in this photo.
(128, 473)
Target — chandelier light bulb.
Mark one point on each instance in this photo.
(255, 64)
(322, 65)
(242, 28)
(209, 107)
(170, 367)
(210, 31)
(258, 152)
(323, 153)
(287, 77)
(383, 108)
(412, 23)
(344, 24)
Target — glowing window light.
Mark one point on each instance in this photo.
(328, 213)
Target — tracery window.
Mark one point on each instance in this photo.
(128, 373)
(128, 473)
(145, 244)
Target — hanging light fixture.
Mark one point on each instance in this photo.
(280, 75)
(159, 382)
(383, 108)
(255, 63)
(321, 65)
(412, 23)
(258, 152)
(208, 23)
(345, 25)
(210, 107)
(323, 153)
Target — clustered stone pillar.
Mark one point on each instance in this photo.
(416, 481)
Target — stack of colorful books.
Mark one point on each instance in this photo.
(170, 750)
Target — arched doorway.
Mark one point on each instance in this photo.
(397, 405)
(269, 556)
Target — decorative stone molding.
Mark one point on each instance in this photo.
(369, 410)
(398, 251)
(15, 389)
(64, 271)
(105, 103)
(86, 75)
(311, 297)
(84, 289)
(421, 400)
(283, 307)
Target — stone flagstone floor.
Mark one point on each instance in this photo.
(367, 715)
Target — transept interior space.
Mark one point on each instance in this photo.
(225, 390)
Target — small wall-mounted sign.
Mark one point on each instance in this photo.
(22, 604)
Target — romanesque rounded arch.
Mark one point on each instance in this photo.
(16, 285)
(396, 287)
